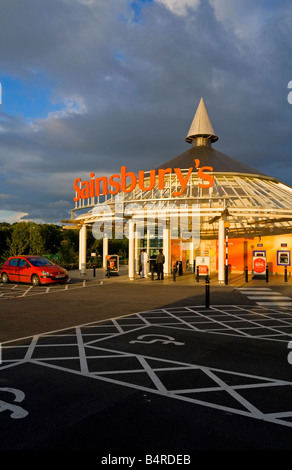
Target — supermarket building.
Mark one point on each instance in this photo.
(203, 208)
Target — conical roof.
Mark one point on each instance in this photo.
(219, 161)
(201, 125)
(202, 150)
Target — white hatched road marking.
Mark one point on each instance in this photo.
(275, 304)
(26, 292)
(9, 291)
(89, 341)
(272, 297)
(266, 296)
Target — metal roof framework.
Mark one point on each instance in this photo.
(255, 204)
(250, 201)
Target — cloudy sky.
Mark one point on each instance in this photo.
(90, 85)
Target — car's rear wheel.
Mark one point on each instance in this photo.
(5, 278)
(35, 280)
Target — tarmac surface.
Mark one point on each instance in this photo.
(113, 369)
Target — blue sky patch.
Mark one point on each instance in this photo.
(29, 100)
(137, 7)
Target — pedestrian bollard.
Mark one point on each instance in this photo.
(198, 275)
(267, 274)
(174, 272)
(93, 271)
(285, 275)
(152, 273)
(226, 274)
(207, 291)
(246, 273)
(108, 271)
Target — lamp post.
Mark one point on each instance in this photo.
(226, 225)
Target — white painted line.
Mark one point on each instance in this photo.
(26, 291)
(31, 348)
(266, 297)
(253, 288)
(151, 374)
(118, 327)
(81, 349)
(240, 399)
(278, 304)
(252, 292)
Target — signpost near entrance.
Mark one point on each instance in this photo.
(203, 265)
(112, 262)
(259, 264)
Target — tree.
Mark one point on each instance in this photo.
(25, 239)
(52, 236)
(5, 235)
(19, 241)
(67, 252)
(36, 242)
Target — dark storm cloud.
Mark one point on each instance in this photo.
(129, 87)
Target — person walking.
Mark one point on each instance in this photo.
(144, 263)
(160, 260)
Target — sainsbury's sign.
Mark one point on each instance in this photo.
(127, 181)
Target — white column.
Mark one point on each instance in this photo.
(148, 243)
(82, 249)
(131, 257)
(136, 267)
(221, 253)
(166, 250)
(192, 254)
(104, 251)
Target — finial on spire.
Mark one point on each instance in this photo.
(201, 127)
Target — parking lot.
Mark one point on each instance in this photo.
(12, 291)
(86, 368)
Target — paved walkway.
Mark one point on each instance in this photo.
(235, 279)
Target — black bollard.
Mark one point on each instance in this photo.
(93, 271)
(285, 275)
(152, 273)
(207, 291)
(267, 274)
(174, 273)
(226, 274)
(108, 272)
(198, 275)
(246, 273)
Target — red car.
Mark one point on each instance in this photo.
(33, 269)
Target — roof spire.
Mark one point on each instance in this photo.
(201, 131)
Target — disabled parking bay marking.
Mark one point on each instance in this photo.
(16, 410)
(209, 358)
